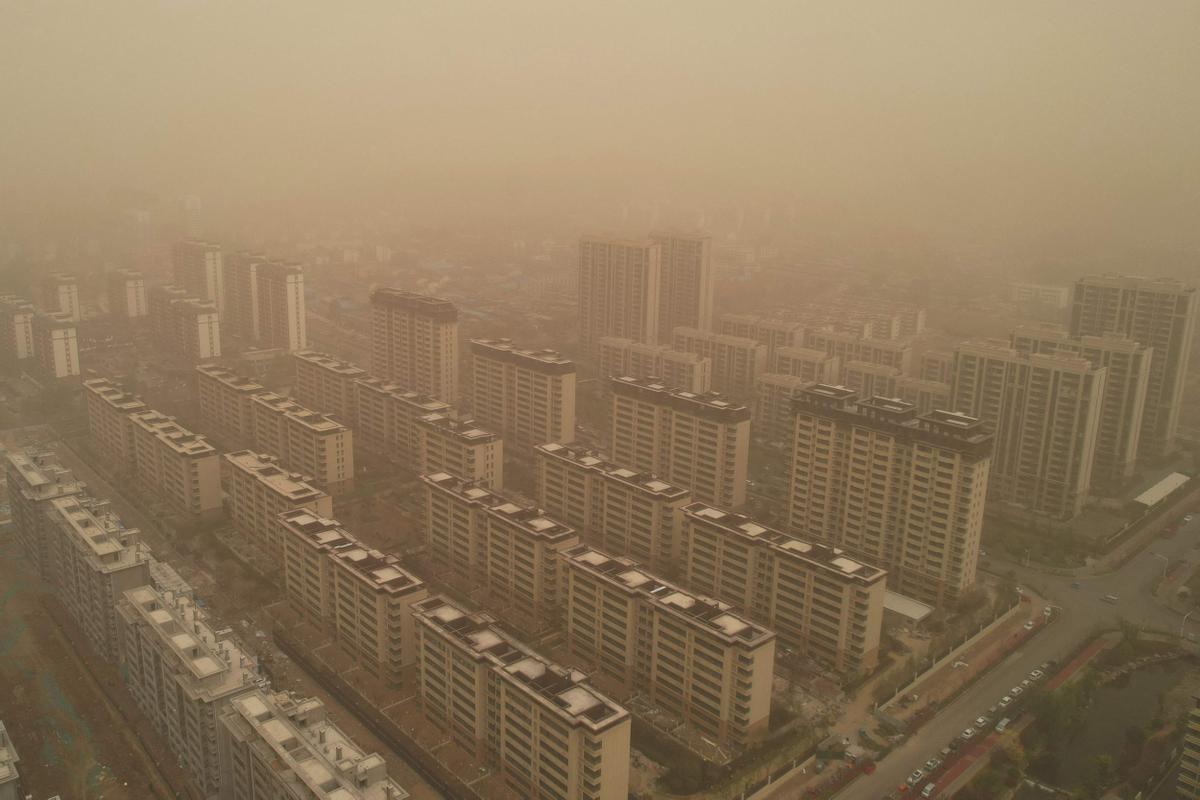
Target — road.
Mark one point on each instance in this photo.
(1081, 613)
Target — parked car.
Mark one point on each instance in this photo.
(1005, 701)
(931, 765)
(1002, 725)
(1110, 598)
(1015, 691)
(1036, 674)
(981, 722)
(967, 734)
(915, 778)
(1029, 625)
(928, 790)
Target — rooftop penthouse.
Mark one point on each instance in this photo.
(421, 304)
(464, 430)
(103, 537)
(712, 405)
(266, 470)
(322, 532)
(116, 397)
(172, 434)
(331, 364)
(545, 360)
(644, 482)
(689, 608)
(561, 690)
(531, 519)
(230, 379)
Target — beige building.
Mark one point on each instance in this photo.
(1188, 785)
(814, 366)
(258, 490)
(414, 342)
(477, 538)
(16, 330)
(688, 371)
(361, 596)
(619, 291)
(895, 488)
(1041, 294)
(276, 746)
(925, 395)
(226, 402)
(304, 441)
(870, 380)
(240, 283)
(183, 673)
(281, 318)
(187, 328)
(55, 346)
(108, 410)
(57, 293)
(198, 270)
(461, 448)
(1045, 411)
(622, 511)
(527, 396)
(34, 480)
(685, 291)
(181, 466)
(851, 346)
(542, 726)
(818, 599)
(736, 362)
(327, 383)
(773, 405)
(9, 776)
(1123, 405)
(95, 559)
(1155, 313)
(936, 365)
(699, 441)
(776, 334)
(692, 656)
(387, 419)
(127, 295)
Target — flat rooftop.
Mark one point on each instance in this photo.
(114, 395)
(466, 431)
(710, 404)
(330, 363)
(545, 360)
(436, 308)
(530, 519)
(266, 470)
(99, 533)
(230, 378)
(564, 691)
(172, 434)
(644, 482)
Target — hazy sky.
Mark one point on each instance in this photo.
(957, 118)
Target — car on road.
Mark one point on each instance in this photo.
(1005, 701)
(915, 778)
(967, 734)
(1110, 598)
(1029, 625)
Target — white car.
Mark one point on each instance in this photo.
(1006, 701)
(1016, 691)
(1029, 625)
(915, 778)
(1036, 674)
(968, 733)
(981, 722)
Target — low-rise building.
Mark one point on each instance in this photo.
(547, 731)
(622, 511)
(258, 490)
(276, 746)
(180, 466)
(694, 657)
(815, 597)
(459, 447)
(478, 538)
(182, 673)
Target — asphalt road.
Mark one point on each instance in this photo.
(1081, 613)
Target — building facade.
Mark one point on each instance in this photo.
(226, 403)
(387, 415)
(685, 293)
(16, 331)
(127, 295)
(55, 346)
(619, 285)
(180, 466)
(688, 371)
(414, 342)
(109, 408)
(773, 405)
(527, 396)
(736, 361)
(258, 490)
(35, 479)
(327, 383)
(281, 318)
(461, 448)
(305, 441)
(198, 270)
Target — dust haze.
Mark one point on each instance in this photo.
(963, 127)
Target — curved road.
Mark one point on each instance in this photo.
(1082, 612)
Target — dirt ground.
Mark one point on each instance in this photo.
(69, 738)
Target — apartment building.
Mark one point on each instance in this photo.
(387, 418)
(619, 291)
(276, 746)
(895, 488)
(936, 365)
(736, 362)
(127, 295)
(55, 346)
(34, 480)
(814, 366)
(305, 441)
(1188, 785)
(109, 408)
(10, 778)
(1124, 401)
(258, 490)
(94, 559)
(181, 466)
(1045, 411)
(183, 673)
(773, 393)
(775, 334)
(1155, 313)
(414, 342)
(816, 598)
(16, 330)
(542, 726)
(619, 510)
(528, 396)
(851, 346)
(461, 448)
(688, 371)
(226, 403)
(925, 395)
(281, 319)
(685, 291)
(870, 380)
(692, 656)
(199, 271)
(363, 597)
(699, 441)
(241, 310)
(57, 293)
(1040, 293)
(477, 538)
(327, 383)
(186, 327)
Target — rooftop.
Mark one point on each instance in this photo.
(114, 396)
(709, 404)
(563, 691)
(99, 533)
(172, 434)
(330, 363)
(593, 460)
(464, 430)
(230, 378)
(8, 758)
(530, 519)
(266, 470)
(42, 477)
(550, 361)
(435, 308)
